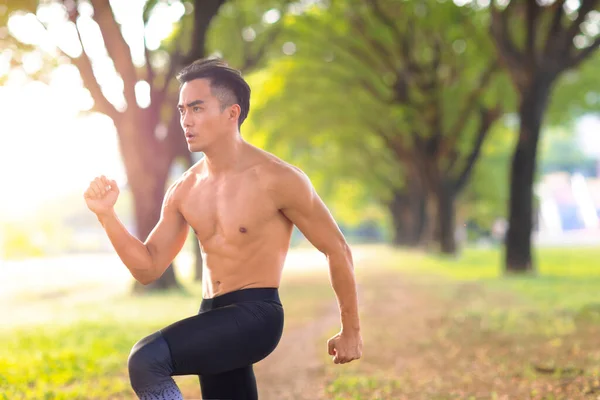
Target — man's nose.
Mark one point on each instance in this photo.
(186, 120)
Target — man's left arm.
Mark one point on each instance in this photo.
(299, 202)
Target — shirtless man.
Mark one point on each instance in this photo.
(242, 203)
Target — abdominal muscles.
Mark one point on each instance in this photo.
(253, 261)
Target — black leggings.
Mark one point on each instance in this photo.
(230, 333)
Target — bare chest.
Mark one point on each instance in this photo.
(234, 211)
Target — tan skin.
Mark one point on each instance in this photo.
(242, 203)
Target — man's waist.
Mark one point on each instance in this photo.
(242, 295)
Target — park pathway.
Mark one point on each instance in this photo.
(431, 338)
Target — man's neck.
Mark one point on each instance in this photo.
(225, 155)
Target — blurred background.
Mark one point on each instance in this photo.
(453, 140)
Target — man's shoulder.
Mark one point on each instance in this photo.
(180, 185)
(191, 173)
(277, 171)
(283, 181)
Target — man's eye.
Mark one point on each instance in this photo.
(196, 109)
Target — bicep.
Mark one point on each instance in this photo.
(167, 238)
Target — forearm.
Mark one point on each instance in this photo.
(130, 249)
(341, 273)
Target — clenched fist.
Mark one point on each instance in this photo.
(345, 347)
(101, 195)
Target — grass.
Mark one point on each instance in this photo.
(565, 280)
(79, 350)
(510, 325)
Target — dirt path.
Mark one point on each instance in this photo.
(426, 338)
(295, 370)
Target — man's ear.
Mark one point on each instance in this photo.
(234, 112)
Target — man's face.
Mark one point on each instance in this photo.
(200, 114)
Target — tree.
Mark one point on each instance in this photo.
(537, 43)
(150, 138)
(423, 79)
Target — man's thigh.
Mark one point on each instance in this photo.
(224, 339)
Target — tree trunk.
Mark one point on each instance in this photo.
(446, 219)
(402, 218)
(408, 215)
(518, 237)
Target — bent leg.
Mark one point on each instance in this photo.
(221, 345)
(150, 369)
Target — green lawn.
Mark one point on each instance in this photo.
(565, 278)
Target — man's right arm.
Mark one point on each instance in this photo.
(148, 260)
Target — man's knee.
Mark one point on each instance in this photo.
(149, 361)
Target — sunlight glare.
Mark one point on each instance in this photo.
(47, 149)
(271, 16)
(5, 57)
(65, 37)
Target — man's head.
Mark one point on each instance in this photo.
(213, 99)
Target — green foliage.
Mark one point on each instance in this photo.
(243, 32)
(328, 106)
(576, 93)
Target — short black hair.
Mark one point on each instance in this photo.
(226, 83)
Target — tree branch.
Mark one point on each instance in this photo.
(337, 75)
(469, 105)
(555, 26)
(384, 54)
(398, 149)
(579, 57)
(487, 118)
(370, 88)
(204, 11)
(384, 18)
(117, 48)
(101, 103)
(345, 45)
(84, 66)
(531, 15)
(251, 61)
(584, 9)
(507, 49)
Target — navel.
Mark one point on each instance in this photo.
(243, 230)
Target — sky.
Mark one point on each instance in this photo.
(40, 121)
